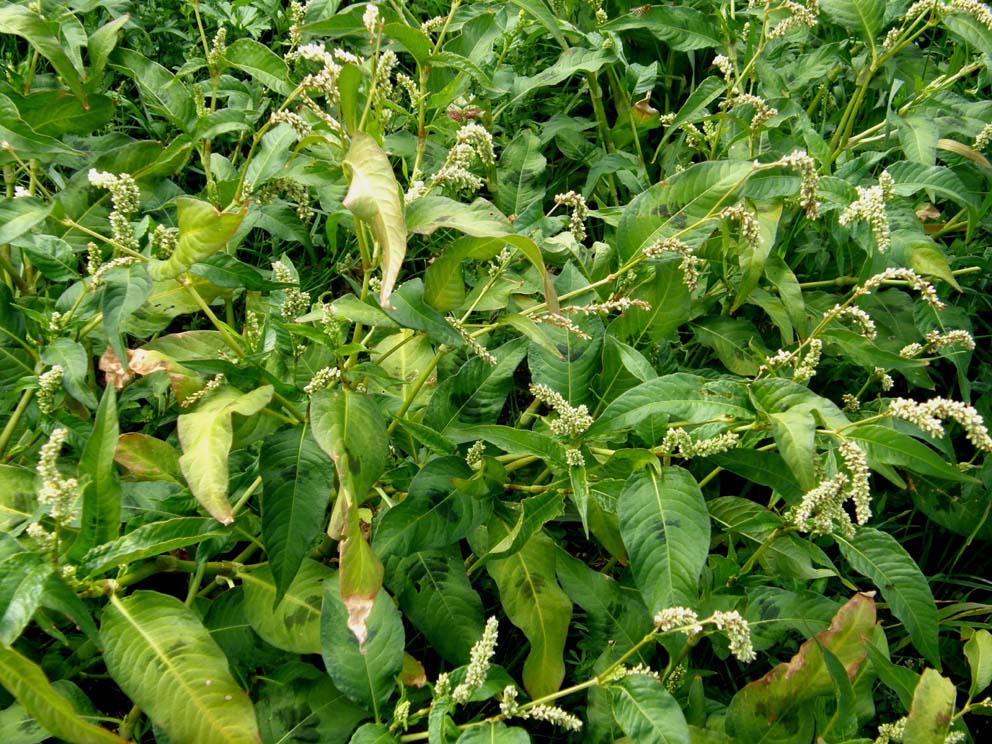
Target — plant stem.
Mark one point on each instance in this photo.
(15, 418)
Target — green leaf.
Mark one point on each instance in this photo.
(918, 135)
(348, 427)
(162, 92)
(911, 178)
(879, 557)
(545, 17)
(43, 35)
(273, 153)
(363, 673)
(261, 63)
(519, 191)
(571, 62)
(372, 733)
(647, 712)
(410, 311)
(17, 216)
(476, 393)
(671, 306)
(890, 447)
(26, 681)
(162, 657)
(681, 28)
(523, 442)
(666, 529)
(613, 612)
(412, 39)
(148, 458)
(494, 733)
(479, 219)
(125, 290)
(535, 512)
(203, 231)
(294, 624)
(681, 396)
(100, 521)
(978, 651)
(931, 714)
(22, 583)
(440, 602)
(75, 362)
(17, 495)
(435, 513)
(776, 708)
(297, 482)
(206, 436)
(863, 17)
(147, 541)
(374, 197)
(224, 270)
(732, 340)
(52, 256)
(535, 603)
(573, 380)
(101, 43)
(794, 431)
(680, 205)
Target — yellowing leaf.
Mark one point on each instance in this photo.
(374, 197)
(206, 436)
(203, 230)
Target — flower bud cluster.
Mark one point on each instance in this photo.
(927, 291)
(555, 716)
(617, 305)
(984, 137)
(324, 378)
(49, 383)
(750, 229)
(799, 15)
(215, 382)
(472, 143)
(370, 19)
(870, 207)
(560, 321)
(473, 343)
(124, 196)
(937, 341)
(822, 509)
(475, 453)
(56, 492)
(738, 632)
(163, 241)
(642, 670)
(726, 68)
(684, 620)
(116, 263)
(762, 111)
(858, 316)
(218, 47)
(799, 161)
(807, 367)
(883, 377)
(480, 660)
(690, 261)
(571, 421)
(675, 678)
(929, 417)
(679, 441)
(574, 457)
(433, 25)
(580, 212)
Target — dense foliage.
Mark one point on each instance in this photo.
(494, 371)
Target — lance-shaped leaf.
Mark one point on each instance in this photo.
(297, 477)
(978, 651)
(348, 427)
(932, 711)
(101, 511)
(777, 706)
(147, 541)
(165, 660)
(529, 592)
(43, 36)
(203, 230)
(206, 436)
(294, 625)
(148, 458)
(666, 528)
(22, 584)
(365, 674)
(647, 712)
(374, 196)
(881, 558)
(26, 681)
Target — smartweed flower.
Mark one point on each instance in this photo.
(738, 632)
(678, 440)
(929, 417)
(215, 382)
(822, 508)
(799, 15)
(473, 343)
(56, 492)
(750, 229)
(870, 207)
(690, 261)
(762, 111)
(571, 421)
(680, 619)
(479, 661)
(322, 380)
(475, 453)
(124, 196)
(580, 212)
(49, 383)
